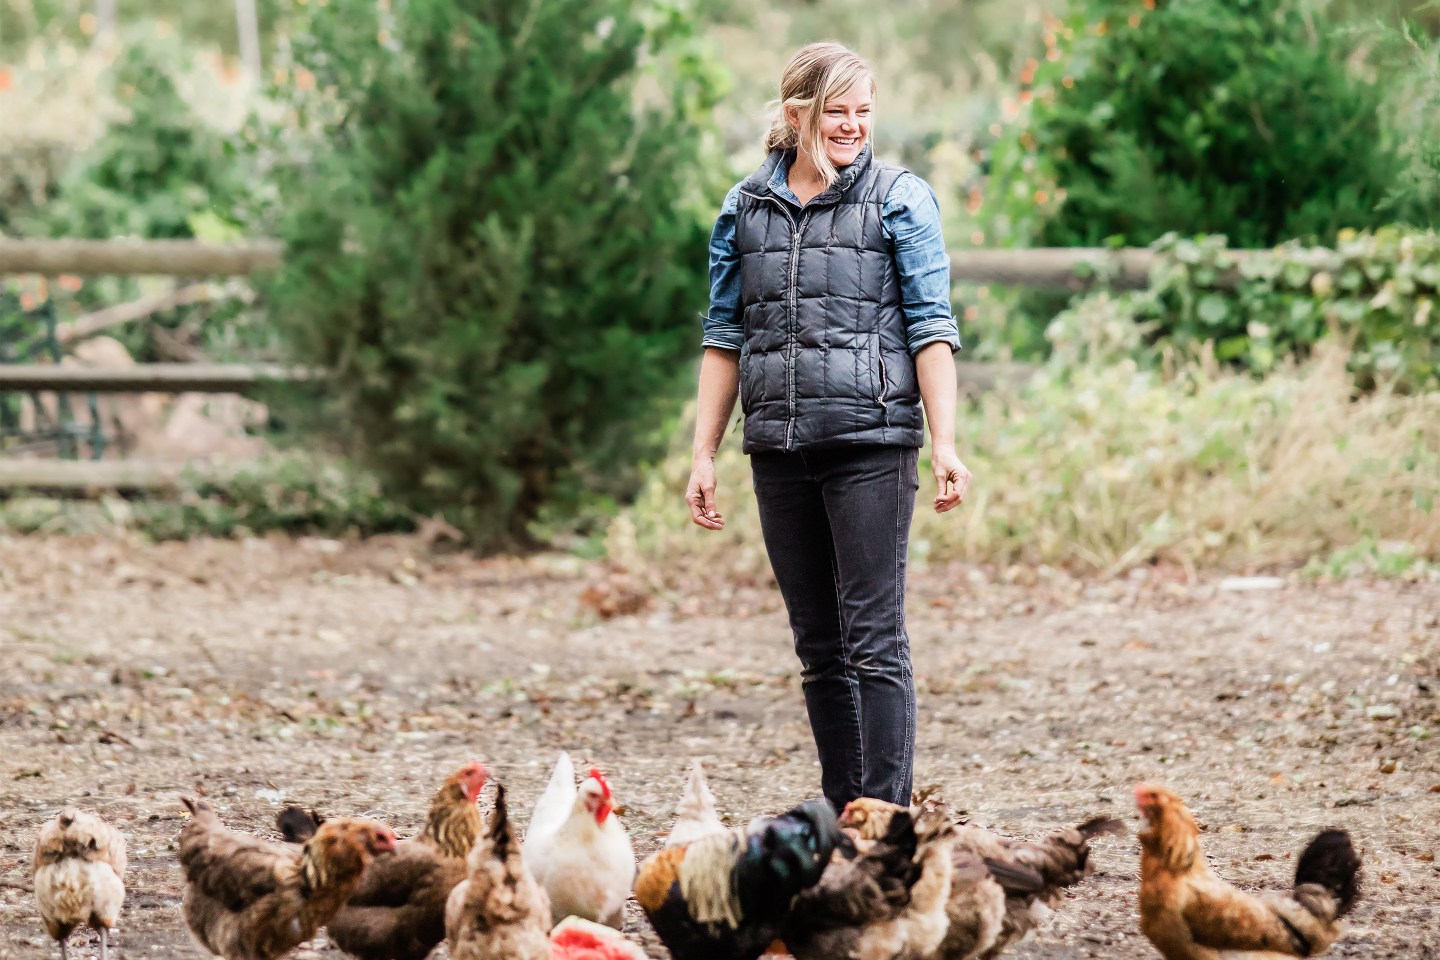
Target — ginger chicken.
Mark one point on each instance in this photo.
(499, 909)
(253, 899)
(79, 876)
(398, 910)
(887, 901)
(725, 896)
(1189, 913)
(577, 848)
(1001, 888)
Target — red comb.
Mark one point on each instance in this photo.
(599, 777)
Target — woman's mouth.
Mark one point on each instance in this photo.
(845, 141)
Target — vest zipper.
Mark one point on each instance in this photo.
(794, 322)
(794, 308)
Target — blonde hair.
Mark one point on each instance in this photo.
(815, 75)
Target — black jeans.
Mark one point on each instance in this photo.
(837, 527)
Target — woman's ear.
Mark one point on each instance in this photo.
(792, 117)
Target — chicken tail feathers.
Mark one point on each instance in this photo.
(1330, 861)
(502, 836)
(296, 824)
(197, 807)
(1015, 878)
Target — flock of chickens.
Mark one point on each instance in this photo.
(879, 882)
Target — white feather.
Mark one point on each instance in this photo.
(555, 802)
(695, 815)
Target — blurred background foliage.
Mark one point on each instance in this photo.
(450, 305)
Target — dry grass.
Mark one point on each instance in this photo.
(1101, 467)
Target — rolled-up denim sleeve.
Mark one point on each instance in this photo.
(722, 327)
(912, 219)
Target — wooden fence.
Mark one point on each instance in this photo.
(1073, 269)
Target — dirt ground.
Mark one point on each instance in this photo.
(354, 677)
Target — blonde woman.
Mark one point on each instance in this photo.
(830, 319)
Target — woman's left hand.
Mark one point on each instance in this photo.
(952, 478)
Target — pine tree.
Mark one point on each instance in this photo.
(499, 248)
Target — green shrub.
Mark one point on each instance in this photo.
(1233, 117)
(1097, 464)
(500, 248)
(1376, 291)
(158, 166)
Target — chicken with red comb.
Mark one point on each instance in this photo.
(577, 848)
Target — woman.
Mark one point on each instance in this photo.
(830, 319)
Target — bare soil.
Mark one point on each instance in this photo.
(354, 676)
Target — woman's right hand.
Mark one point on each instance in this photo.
(700, 494)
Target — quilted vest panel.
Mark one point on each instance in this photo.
(824, 360)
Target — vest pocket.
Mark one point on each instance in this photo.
(879, 386)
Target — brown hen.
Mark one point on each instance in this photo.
(398, 910)
(253, 899)
(1189, 913)
(1002, 888)
(883, 899)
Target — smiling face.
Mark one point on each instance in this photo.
(845, 124)
(826, 97)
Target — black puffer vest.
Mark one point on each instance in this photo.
(824, 361)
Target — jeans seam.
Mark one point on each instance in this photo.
(901, 654)
(852, 680)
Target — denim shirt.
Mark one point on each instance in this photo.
(911, 216)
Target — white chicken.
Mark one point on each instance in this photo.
(79, 876)
(577, 848)
(695, 815)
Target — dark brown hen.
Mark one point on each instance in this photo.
(253, 899)
(398, 910)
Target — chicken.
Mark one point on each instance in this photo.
(296, 824)
(499, 909)
(725, 896)
(79, 876)
(398, 910)
(253, 899)
(1001, 888)
(1189, 913)
(578, 850)
(884, 899)
(695, 815)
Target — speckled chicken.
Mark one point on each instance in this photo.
(253, 899)
(499, 909)
(1188, 913)
(724, 896)
(398, 910)
(79, 876)
(1002, 888)
(883, 899)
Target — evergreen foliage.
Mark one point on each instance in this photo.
(1233, 117)
(498, 250)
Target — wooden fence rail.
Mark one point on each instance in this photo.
(164, 258)
(149, 377)
(1073, 268)
(1068, 269)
